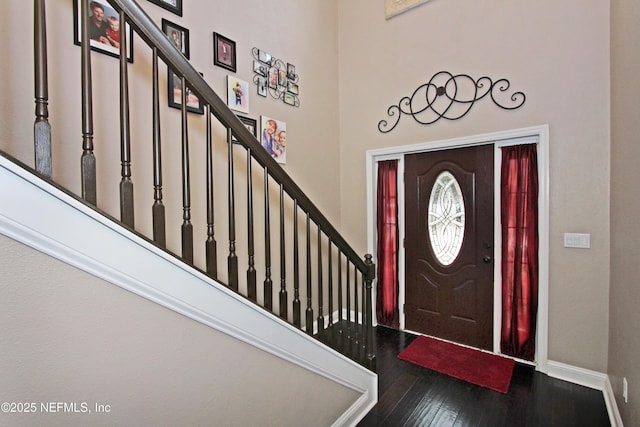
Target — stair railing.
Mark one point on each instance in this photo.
(348, 328)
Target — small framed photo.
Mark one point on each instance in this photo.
(178, 36)
(291, 71)
(289, 98)
(251, 125)
(175, 95)
(224, 52)
(262, 86)
(282, 78)
(174, 6)
(259, 68)
(104, 29)
(292, 87)
(273, 78)
(237, 94)
(264, 57)
(273, 137)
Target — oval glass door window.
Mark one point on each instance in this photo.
(446, 218)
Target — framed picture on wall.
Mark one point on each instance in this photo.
(237, 94)
(251, 125)
(178, 36)
(175, 95)
(273, 137)
(104, 29)
(174, 6)
(224, 52)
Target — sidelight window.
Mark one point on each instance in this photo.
(446, 218)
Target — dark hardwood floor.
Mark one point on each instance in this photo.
(410, 395)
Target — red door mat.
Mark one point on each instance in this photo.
(467, 364)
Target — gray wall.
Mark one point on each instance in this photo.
(66, 336)
(557, 53)
(624, 339)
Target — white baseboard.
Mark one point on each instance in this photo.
(591, 379)
(580, 376)
(612, 406)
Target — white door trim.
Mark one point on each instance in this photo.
(539, 134)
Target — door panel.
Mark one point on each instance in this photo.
(451, 300)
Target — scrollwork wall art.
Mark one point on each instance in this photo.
(451, 97)
(275, 77)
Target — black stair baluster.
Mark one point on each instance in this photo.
(356, 326)
(157, 210)
(370, 274)
(232, 259)
(251, 270)
(349, 332)
(210, 245)
(187, 227)
(297, 321)
(88, 159)
(309, 310)
(320, 285)
(330, 281)
(340, 301)
(363, 321)
(126, 185)
(41, 126)
(268, 284)
(284, 311)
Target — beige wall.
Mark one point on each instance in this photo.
(295, 32)
(624, 344)
(66, 336)
(557, 53)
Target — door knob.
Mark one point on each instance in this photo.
(486, 259)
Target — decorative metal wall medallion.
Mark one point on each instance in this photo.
(450, 97)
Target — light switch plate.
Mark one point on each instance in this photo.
(577, 240)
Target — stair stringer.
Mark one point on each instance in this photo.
(46, 218)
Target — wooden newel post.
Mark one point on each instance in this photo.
(370, 275)
(41, 128)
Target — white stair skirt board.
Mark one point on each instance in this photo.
(45, 218)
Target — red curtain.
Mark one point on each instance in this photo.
(387, 219)
(519, 215)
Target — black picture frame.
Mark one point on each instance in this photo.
(174, 94)
(108, 45)
(173, 6)
(177, 35)
(224, 52)
(251, 124)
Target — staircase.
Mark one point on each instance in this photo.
(289, 283)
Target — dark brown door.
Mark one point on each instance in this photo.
(449, 244)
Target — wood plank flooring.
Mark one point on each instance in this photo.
(409, 395)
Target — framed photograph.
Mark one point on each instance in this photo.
(104, 29)
(273, 78)
(259, 68)
(178, 36)
(273, 137)
(175, 95)
(174, 6)
(264, 57)
(396, 7)
(292, 87)
(262, 86)
(224, 52)
(251, 125)
(237, 94)
(291, 71)
(289, 98)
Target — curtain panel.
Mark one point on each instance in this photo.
(519, 223)
(387, 227)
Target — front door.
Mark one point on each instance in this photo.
(449, 244)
